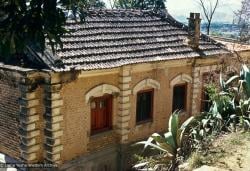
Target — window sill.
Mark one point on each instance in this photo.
(144, 123)
(101, 133)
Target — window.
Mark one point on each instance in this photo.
(205, 103)
(101, 114)
(144, 105)
(179, 97)
(207, 78)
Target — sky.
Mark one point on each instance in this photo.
(180, 9)
(225, 11)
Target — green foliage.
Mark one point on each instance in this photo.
(140, 4)
(230, 109)
(32, 22)
(230, 106)
(171, 143)
(245, 81)
(205, 127)
(239, 92)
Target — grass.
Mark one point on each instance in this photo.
(231, 151)
(195, 160)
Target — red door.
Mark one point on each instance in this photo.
(101, 112)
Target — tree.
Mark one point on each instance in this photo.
(208, 9)
(140, 4)
(243, 17)
(33, 22)
(95, 4)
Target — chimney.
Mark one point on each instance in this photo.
(194, 23)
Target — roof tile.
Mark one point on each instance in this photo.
(113, 38)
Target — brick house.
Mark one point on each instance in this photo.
(116, 80)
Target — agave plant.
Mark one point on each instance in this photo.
(245, 80)
(237, 90)
(171, 143)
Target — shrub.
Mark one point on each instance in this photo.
(169, 145)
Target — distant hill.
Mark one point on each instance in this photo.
(222, 29)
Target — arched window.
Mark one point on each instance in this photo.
(180, 90)
(100, 91)
(145, 99)
(100, 99)
(101, 113)
(179, 97)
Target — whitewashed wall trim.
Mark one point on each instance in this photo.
(100, 91)
(146, 83)
(181, 78)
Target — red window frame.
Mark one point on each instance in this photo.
(152, 106)
(184, 85)
(101, 117)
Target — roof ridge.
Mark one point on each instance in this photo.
(119, 13)
(100, 12)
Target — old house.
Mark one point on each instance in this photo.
(116, 80)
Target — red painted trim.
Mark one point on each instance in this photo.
(97, 112)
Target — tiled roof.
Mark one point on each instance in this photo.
(113, 38)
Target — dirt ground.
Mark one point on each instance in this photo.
(230, 152)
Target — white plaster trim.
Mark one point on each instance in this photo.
(100, 91)
(181, 78)
(146, 83)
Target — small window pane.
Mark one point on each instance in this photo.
(102, 104)
(144, 106)
(93, 105)
(179, 97)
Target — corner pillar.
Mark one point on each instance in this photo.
(196, 91)
(124, 104)
(29, 127)
(53, 121)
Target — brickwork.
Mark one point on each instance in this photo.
(77, 139)
(162, 107)
(99, 141)
(51, 121)
(9, 118)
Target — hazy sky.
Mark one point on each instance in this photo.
(181, 9)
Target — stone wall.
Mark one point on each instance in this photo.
(31, 122)
(9, 117)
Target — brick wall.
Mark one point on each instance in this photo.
(162, 101)
(9, 118)
(76, 137)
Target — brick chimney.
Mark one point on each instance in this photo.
(194, 24)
